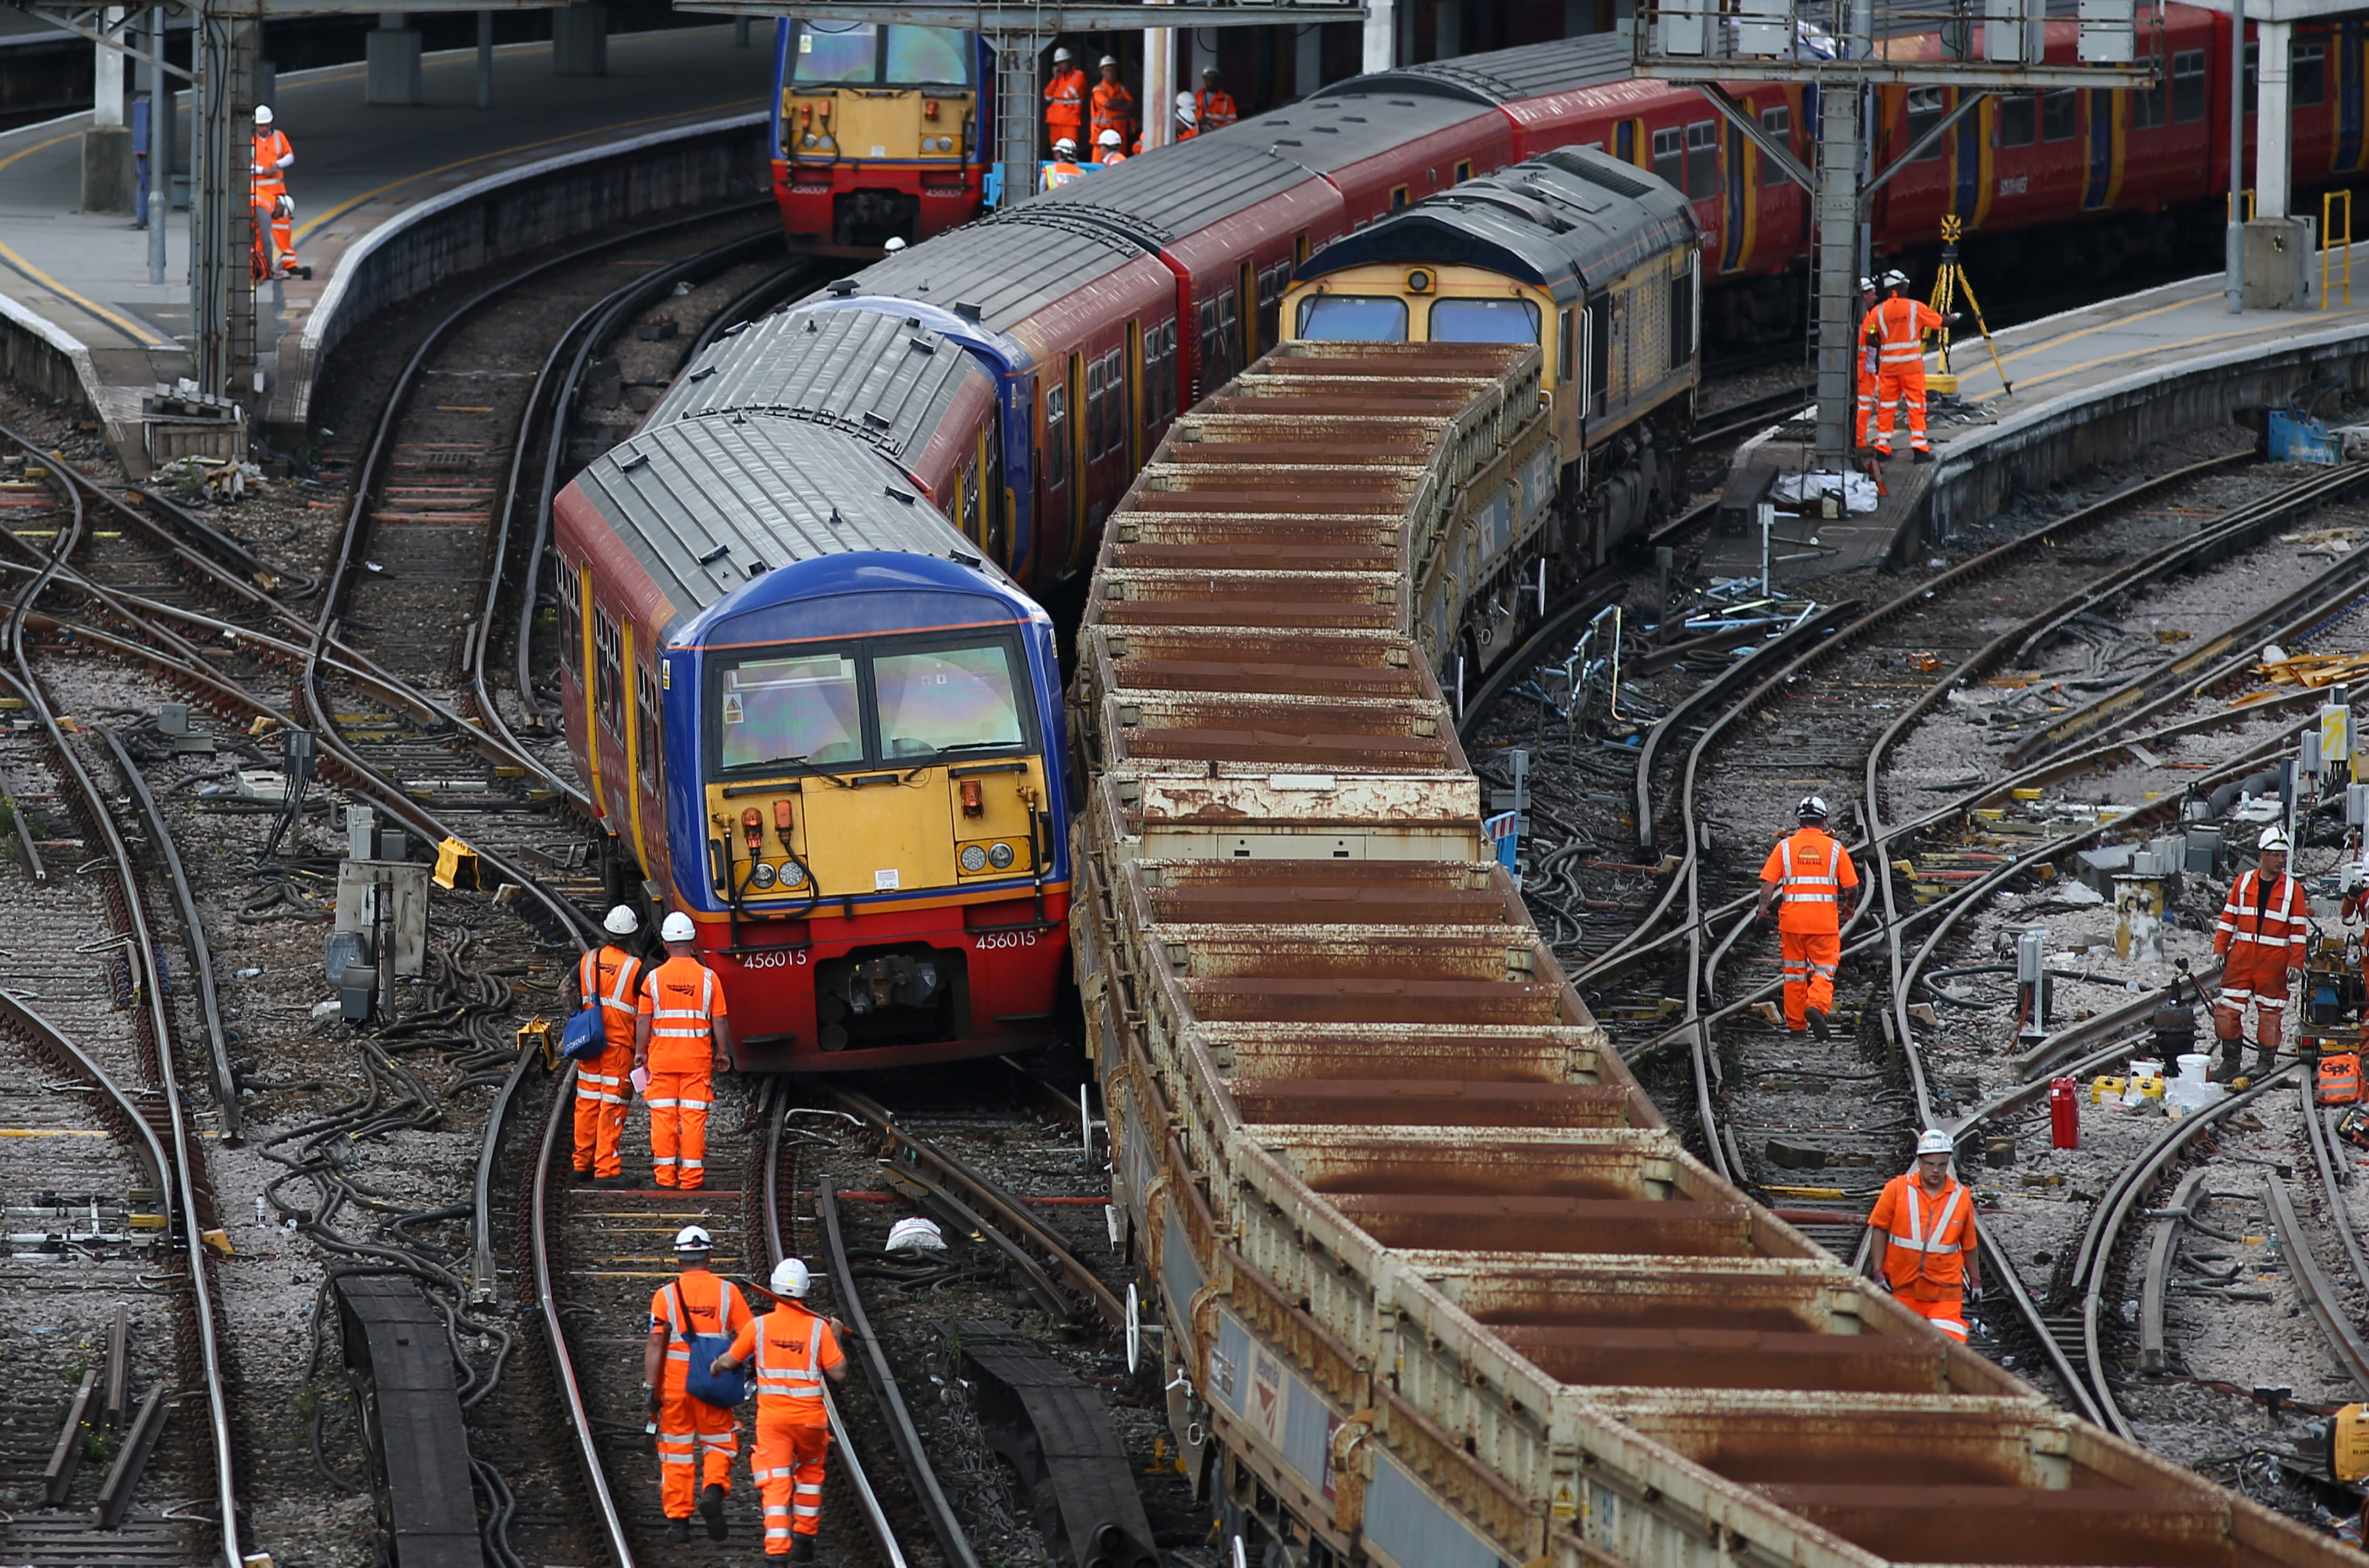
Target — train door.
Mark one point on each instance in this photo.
(1133, 410)
(1075, 518)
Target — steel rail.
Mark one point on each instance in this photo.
(1752, 414)
(2327, 1306)
(1017, 1223)
(2324, 1157)
(48, 1037)
(202, 959)
(2000, 1269)
(160, 1022)
(851, 1464)
(945, 1523)
(2155, 1287)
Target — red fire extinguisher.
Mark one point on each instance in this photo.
(2064, 1112)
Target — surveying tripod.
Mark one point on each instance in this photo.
(1949, 282)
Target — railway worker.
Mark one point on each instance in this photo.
(682, 1039)
(1113, 107)
(795, 1348)
(1923, 1231)
(1188, 118)
(1810, 876)
(273, 210)
(1866, 367)
(1107, 150)
(2262, 933)
(1214, 104)
(609, 979)
(1064, 168)
(1065, 103)
(696, 1440)
(1899, 326)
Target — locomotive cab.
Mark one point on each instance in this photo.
(878, 129)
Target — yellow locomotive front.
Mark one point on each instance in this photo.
(878, 132)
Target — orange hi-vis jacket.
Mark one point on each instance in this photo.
(1929, 1237)
(270, 146)
(694, 1302)
(1216, 108)
(606, 977)
(1114, 109)
(1065, 104)
(1899, 326)
(794, 1346)
(1811, 869)
(682, 998)
(2255, 919)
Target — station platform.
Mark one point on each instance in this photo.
(2088, 385)
(76, 281)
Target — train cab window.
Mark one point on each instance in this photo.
(609, 677)
(646, 742)
(948, 699)
(1353, 318)
(1484, 321)
(931, 57)
(2060, 114)
(2306, 75)
(2018, 120)
(857, 54)
(1599, 353)
(1682, 321)
(1670, 156)
(571, 617)
(2188, 87)
(1463, 171)
(1567, 358)
(1057, 436)
(1779, 124)
(790, 708)
(1925, 111)
(1398, 197)
(1702, 159)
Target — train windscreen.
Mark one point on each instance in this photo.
(1484, 321)
(878, 54)
(891, 704)
(1353, 318)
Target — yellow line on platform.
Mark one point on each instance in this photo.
(120, 322)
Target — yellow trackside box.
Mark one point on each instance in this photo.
(2348, 1444)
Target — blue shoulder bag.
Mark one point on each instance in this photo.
(584, 1036)
(721, 1389)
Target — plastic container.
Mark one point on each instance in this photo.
(2106, 1088)
(2196, 1069)
(2064, 1113)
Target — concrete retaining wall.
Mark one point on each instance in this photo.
(43, 358)
(504, 214)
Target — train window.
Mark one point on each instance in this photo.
(609, 676)
(1159, 373)
(2188, 87)
(1219, 324)
(1702, 159)
(1925, 111)
(571, 616)
(853, 53)
(2060, 114)
(2306, 75)
(1484, 321)
(1095, 402)
(1114, 392)
(1057, 436)
(646, 745)
(795, 708)
(1463, 171)
(1353, 318)
(2149, 106)
(2252, 77)
(1682, 320)
(837, 51)
(1568, 359)
(1398, 197)
(926, 56)
(1670, 156)
(1599, 353)
(954, 699)
(2018, 120)
(1779, 124)
(1271, 284)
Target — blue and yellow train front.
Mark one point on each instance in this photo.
(880, 131)
(867, 814)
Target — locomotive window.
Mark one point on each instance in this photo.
(802, 708)
(2188, 85)
(645, 714)
(1484, 321)
(1599, 353)
(1925, 110)
(1353, 318)
(1702, 159)
(1682, 321)
(1670, 156)
(955, 699)
(2306, 75)
(2018, 120)
(932, 56)
(1568, 360)
(837, 51)
(1779, 124)
(2060, 114)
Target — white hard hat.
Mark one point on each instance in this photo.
(1895, 278)
(1812, 805)
(896, 243)
(1061, 54)
(677, 927)
(2273, 837)
(1209, 71)
(263, 114)
(1110, 60)
(792, 1278)
(1064, 147)
(693, 1239)
(1107, 139)
(1867, 285)
(1185, 106)
(622, 922)
(1935, 1141)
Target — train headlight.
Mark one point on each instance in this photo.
(793, 875)
(761, 875)
(1000, 857)
(974, 859)
(807, 140)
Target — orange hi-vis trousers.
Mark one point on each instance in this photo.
(1901, 387)
(601, 1086)
(1947, 1312)
(788, 1467)
(679, 1103)
(1810, 959)
(697, 1442)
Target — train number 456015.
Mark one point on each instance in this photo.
(991, 941)
(779, 959)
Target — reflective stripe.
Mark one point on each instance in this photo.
(661, 1104)
(1918, 1240)
(1830, 880)
(792, 1383)
(619, 996)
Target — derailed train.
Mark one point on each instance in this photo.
(845, 760)
(1433, 1285)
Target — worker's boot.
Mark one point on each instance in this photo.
(1817, 1017)
(711, 1508)
(678, 1531)
(2232, 1054)
(1922, 455)
(2266, 1059)
(802, 1549)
